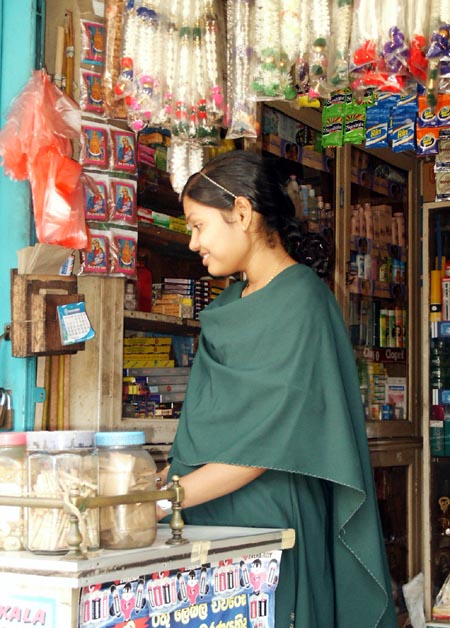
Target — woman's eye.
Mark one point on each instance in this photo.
(197, 227)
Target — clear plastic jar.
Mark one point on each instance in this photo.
(13, 482)
(126, 467)
(57, 462)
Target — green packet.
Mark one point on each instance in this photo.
(355, 123)
(333, 125)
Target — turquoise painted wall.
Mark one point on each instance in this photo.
(17, 60)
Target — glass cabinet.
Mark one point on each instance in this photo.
(436, 402)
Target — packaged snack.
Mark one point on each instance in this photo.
(123, 201)
(123, 251)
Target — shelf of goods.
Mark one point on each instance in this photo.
(436, 411)
(379, 198)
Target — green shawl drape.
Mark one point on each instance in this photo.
(274, 385)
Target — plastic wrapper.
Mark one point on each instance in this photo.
(58, 199)
(91, 95)
(441, 607)
(413, 592)
(270, 65)
(96, 197)
(123, 252)
(341, 14)
(301, 66)
(95, 146)
(35, 145)
(319, 53)
(92, 43)
(95, 258)
(123, 201)
(242, 112)
(437, 50)
(123, 151)
(113, 22)
(417, 29)
(185, 159)
(139, 80)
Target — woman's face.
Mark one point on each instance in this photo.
(217, 236)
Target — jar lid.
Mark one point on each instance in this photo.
(57, 440)
(119, 439)
(13, 439)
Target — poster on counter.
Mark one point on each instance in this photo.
(235, 592)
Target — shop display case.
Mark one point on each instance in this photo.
(436, 403)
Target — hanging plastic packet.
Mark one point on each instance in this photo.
(123, 252)
(378, 118)
(338, 73)
(265, 65)
(427, 141)
(333, 120)
(364, 52)
(438, 48)
(301, 66)
(35, 145)
(145, 102)
(214, 50)
(91, 96)
(183, 127)
(242, 111)
(123, 201)
(318, 54)
(417, 35)
(92, 43)
(403, 124)
(95, 259)
(394, 48)
(95, 145)
(443, 110)
(95, 196)
(123, 151)
(426, 116)
(354, 123)
(114, 10)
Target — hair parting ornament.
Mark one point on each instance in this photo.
(217, 184)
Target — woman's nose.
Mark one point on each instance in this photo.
(193, 242)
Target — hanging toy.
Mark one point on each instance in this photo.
(437, 49)
(417, 62)
(395, 51)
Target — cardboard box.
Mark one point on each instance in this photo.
(428, 181)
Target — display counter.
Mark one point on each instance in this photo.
(221, 574)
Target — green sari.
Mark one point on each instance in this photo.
(274, 385)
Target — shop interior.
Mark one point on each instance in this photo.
(368, 178)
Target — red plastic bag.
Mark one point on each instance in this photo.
(35, 145)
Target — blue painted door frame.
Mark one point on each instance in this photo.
(17, 60)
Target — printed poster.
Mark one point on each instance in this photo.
(213, 595)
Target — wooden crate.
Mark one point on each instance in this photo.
(34, 325)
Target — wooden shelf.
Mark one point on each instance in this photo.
(160, 323)
(165, 239)
(390, 429)
(157, 431)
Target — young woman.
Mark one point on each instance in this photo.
(272, 432)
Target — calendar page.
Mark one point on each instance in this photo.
(74, 323)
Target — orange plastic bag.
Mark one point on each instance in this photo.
(35, 145)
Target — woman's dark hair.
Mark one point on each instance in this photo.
(259, 179)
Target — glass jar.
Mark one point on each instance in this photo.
(57, 462)
(13, 482)
(126, 467)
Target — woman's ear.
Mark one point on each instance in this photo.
(244, 212)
